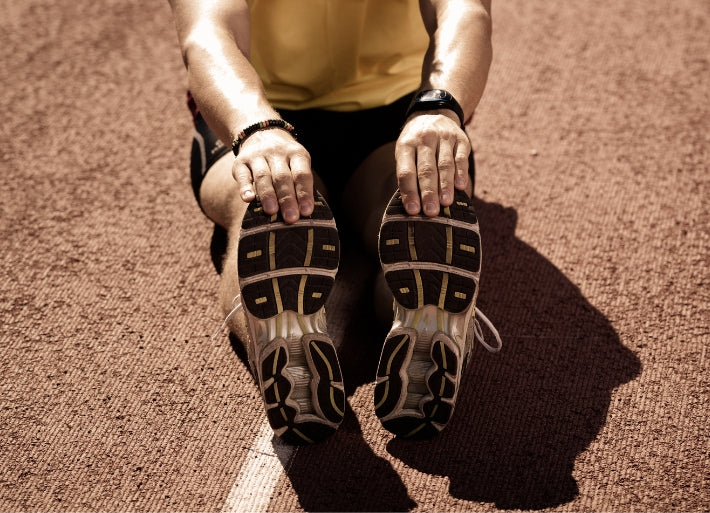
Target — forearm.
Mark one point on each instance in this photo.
(460, 52)
(227, 90)
(215, 50)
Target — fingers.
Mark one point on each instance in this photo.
(461, 155)
(303, 183)
(271, 165)
(242, 174)
(263, 184)
(406, 158)
(428, 176)
(432, 160)
(446, 163)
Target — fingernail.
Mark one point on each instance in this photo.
(431, 208)
(290, 214)
(306, 208)
(445, 197)
(460, 181)
(412, 207)
(270, 206)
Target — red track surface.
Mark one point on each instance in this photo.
(593, 143)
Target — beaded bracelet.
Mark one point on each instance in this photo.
(261, 125)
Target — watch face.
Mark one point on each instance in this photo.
(434, 95)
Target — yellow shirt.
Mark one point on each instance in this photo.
(341, 55)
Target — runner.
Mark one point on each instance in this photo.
(360, 106)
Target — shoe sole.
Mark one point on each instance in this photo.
(432, 267)
(286, 273)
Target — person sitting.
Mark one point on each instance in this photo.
(305, 111)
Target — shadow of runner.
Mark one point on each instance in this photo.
(524, 415)
(343, 474)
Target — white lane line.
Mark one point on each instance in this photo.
(265, 462)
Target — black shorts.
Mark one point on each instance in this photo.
(338, 142)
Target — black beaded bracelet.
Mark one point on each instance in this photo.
(261, 125)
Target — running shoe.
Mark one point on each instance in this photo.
(432, 266)
(286, 272)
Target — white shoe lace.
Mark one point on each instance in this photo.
(478, 331)
(236, 306)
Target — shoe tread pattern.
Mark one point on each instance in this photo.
(419, 241)
(435, 410)
(267, 245)
(297, 246)
(329, 399)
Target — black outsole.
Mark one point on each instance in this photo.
(408, 246)
(268, 248)
(291, 268)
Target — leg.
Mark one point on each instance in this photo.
(367, 193)
(220, 201)
(364, 201)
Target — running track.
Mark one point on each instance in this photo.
(593, 143)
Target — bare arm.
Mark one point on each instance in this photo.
(214, 37)
(432, 150)
(460, 50)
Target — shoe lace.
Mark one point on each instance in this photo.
(478, 331)
(236, 306)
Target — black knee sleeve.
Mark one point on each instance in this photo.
(206, 148)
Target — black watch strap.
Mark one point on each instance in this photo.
(433, 99)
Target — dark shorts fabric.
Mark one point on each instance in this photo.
(338, 142)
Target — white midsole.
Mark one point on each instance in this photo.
(431, 319)
(288, 325)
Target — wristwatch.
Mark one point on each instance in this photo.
(433, 99)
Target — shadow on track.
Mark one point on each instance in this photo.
(343, 473)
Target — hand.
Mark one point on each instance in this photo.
(273, 166)
(432, 158)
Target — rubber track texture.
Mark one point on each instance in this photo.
(427, 261)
